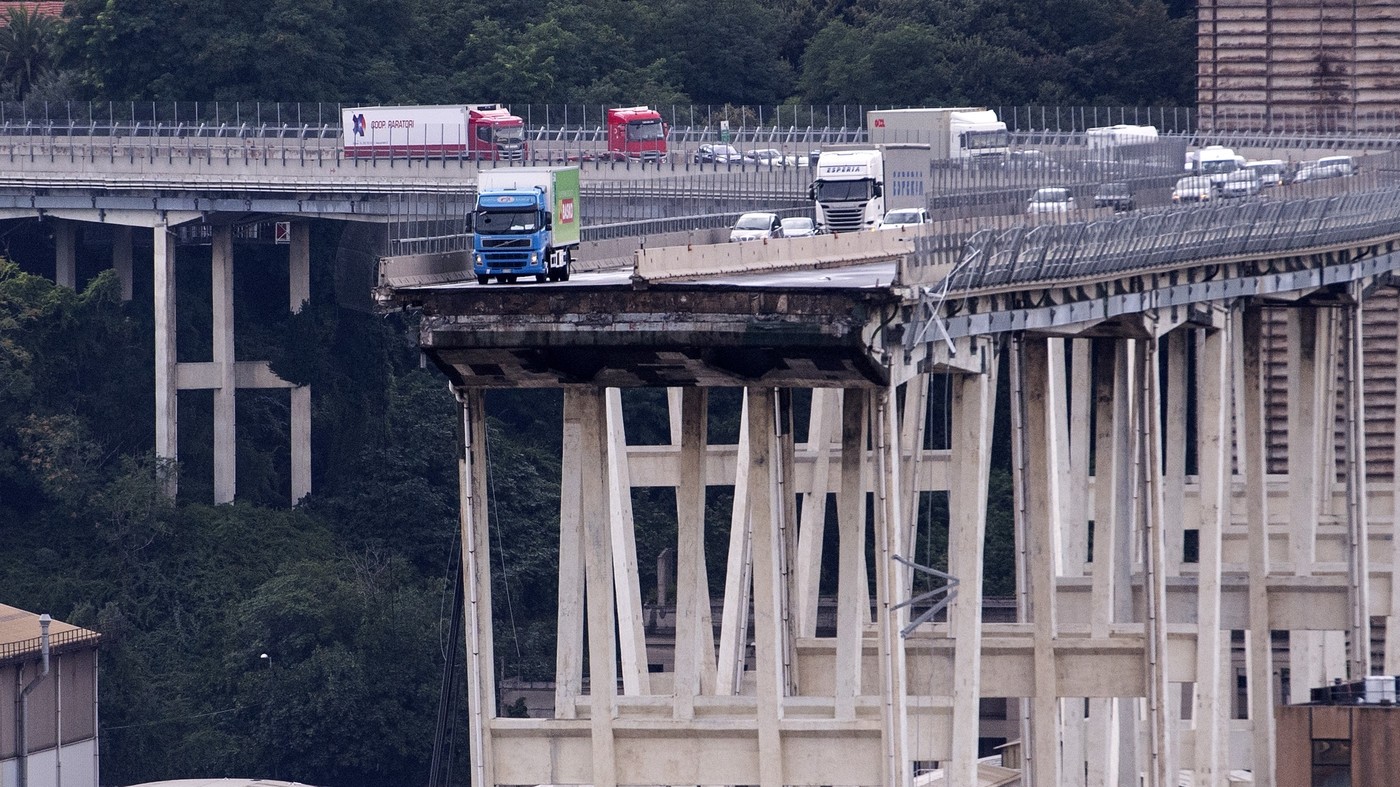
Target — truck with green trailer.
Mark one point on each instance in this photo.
(526, 223)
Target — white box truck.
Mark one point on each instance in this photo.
(475, 131)
(970, 133)
(854, 188)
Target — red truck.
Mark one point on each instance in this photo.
(477, 131)
(636, 133)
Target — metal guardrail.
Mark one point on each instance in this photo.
(1046, 254)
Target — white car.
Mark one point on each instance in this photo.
(1055, 199)
(1241, 183)
(903, 217)
(756, 226)
(1194, 188)
(767, 156)
(798, 227)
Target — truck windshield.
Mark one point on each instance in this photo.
(843, 190)
(499, 222)
(642, 130)
(981, 140)
(509, 133)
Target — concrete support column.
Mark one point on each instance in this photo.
(1392, 620)
(568, 664)
(166, 389)
(225, 421)
(974, 401)
(1315, 658)
(476, 576)
(1161, 721)
(299, 292)
(892, 579)
(65, 253)
(1260, 643)
(1076, 453)
(1302, 438)
(824, 425)
(1040, 403)
(632, 644)
(1174, 474)
(769, 645)
(1112, 556)
(850, 514)
(1358, 529)
(695, 648)
(734, 626)
(598, 571)
(121, 259)
(1211, 712)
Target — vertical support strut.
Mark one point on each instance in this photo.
(1040, 478)
(891, 579)
(1261, 685)
(695, 650)
(850, 617)
(476, 574)
(1213, 397)
(973, 404)
(1302, 437)
(167, 390)
(1160, 772)
(769, 637)
(225, 422)
(1358, 531)
(631, 636)
(598, 571)
(568, 664)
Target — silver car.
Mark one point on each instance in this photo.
(756, 226)
(798, 227)
(1050, 200)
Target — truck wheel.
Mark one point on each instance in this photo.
(508, 279)
(563, 274)
(541, 277)
(483, 280)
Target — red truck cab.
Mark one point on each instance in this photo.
(636, 133)
(495, 134)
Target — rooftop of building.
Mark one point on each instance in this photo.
(41, 7)
(20, 634)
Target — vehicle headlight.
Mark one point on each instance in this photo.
(479, 259)
(534, 257)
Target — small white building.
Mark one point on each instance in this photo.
(48, 702)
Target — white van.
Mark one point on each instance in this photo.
(1270, 171)
(1326, 167)
(1216, 162)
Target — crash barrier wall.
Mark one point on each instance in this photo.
(758, 256)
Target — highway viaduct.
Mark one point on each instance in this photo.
(1133, 351)
(1183, 491)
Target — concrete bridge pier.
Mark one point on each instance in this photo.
(223, 373)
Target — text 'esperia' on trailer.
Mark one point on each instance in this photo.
(526, 223)
(474, 131)
(636, 133)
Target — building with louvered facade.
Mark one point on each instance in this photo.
(1298, 66)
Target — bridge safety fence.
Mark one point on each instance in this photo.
(1318, 214)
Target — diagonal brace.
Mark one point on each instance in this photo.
(941, 596)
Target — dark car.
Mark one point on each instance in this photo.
(1118, 196)
(717, 154)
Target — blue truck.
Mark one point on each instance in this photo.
(526, 223)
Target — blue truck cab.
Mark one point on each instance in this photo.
(525, 224)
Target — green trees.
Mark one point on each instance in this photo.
(984, 52)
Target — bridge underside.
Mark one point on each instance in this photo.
(665, 335)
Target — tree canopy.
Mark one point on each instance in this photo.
(986, 52)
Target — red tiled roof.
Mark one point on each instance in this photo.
(41, 7)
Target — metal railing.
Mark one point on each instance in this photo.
(1031, 254)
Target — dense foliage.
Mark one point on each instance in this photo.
(903, 52)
